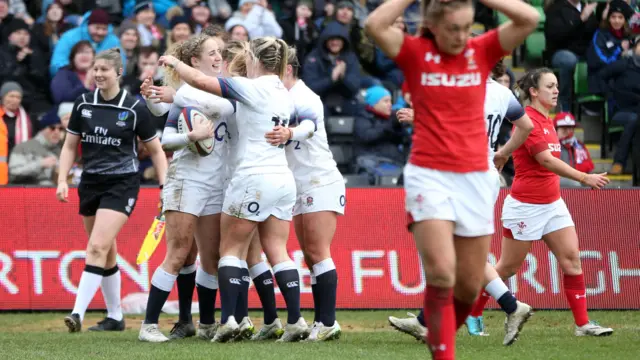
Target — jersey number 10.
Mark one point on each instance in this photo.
(493, 128)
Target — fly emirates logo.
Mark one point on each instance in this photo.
(450, 80)
(100, 137)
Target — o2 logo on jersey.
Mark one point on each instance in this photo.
(555, 147)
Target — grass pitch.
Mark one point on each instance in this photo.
(366, 335)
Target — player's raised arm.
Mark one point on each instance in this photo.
(524, 20)
(379, 25)
(192, 76)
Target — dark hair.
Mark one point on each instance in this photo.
(531, 80)
(76, 49)
(499, 70)
(433, 10)
(215, 30)
(146, 51)
(49, 27)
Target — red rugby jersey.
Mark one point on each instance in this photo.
(533, 183)
(448, 93)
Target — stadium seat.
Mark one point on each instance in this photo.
(342, 154)
(606, 132)
(537, 3)
(387, 181)
(356, 180)
(340, 125)
(535, 45)
(581, 93)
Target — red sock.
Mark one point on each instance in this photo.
(478, 307)
(576, 293)
(440, 320)
(462, 310)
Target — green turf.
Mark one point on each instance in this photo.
(366, 335)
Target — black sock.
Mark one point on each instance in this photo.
(314, 292)
(289, 284)
(156, 301)
(207, 304)
(186, 285)
(508, 302)
(327, 285)
(230, 279)
(264, 287)
(242, 306)
(421, 318)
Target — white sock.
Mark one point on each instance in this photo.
(111, 292)
(89, 284)
(496, 288)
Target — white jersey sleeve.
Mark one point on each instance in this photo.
(500, 104)
(245, 91)
(214, 107)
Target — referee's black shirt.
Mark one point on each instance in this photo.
(109, 131)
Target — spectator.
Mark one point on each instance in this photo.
(574, 152)
(160, 7)
(16, 126)
(379, 136)
(386, 68)
(96, 29)
(74, 79)
(236, 29)
(180, 31)
(568, 31)
(329, 10)
(220, 10)
(5, 20)
(622, 82)
(200, 17)
(72, 10)
(19, 11)
(149, 32)
(609, 42)
(602, 11)
(26, 66)
(47, 33)
(34, 162)
(332, 71)
(300, 31)
(255, 16)
(146, 67)
(130, 43)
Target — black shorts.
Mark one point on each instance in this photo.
(113, 192)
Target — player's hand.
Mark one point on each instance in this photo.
(145, 88)
(500, 159)
(202, 129)
(279, 135)
(596, 181)
(62, 193)
(163, 94)
(405, 115)
(168, 60)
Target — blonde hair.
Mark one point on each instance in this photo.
(235, 54)
(190, 48)
(292, 59)
(271, 53)
(433, 10)
(112, 56)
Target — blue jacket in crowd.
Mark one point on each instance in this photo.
(63, 48)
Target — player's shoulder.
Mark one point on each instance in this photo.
(85, 98)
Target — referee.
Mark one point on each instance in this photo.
(107, 122)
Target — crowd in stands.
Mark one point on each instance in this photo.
(47, 48)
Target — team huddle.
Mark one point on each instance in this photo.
(250, 155)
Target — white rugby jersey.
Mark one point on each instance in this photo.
(499, 104)
(262, 103)
(310, 160)
(187, 165)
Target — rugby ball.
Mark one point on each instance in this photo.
(185, 121)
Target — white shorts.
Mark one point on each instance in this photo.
(256, 197)
(529, 222)
(330, 197)
(467, 199)
(191, 197)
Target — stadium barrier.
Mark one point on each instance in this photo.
(42, 252)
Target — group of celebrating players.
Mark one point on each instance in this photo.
(271, 164)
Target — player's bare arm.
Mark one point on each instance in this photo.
(559, 167)
(524, 126)
(379, 25)
(524, 20)
(192, 76)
